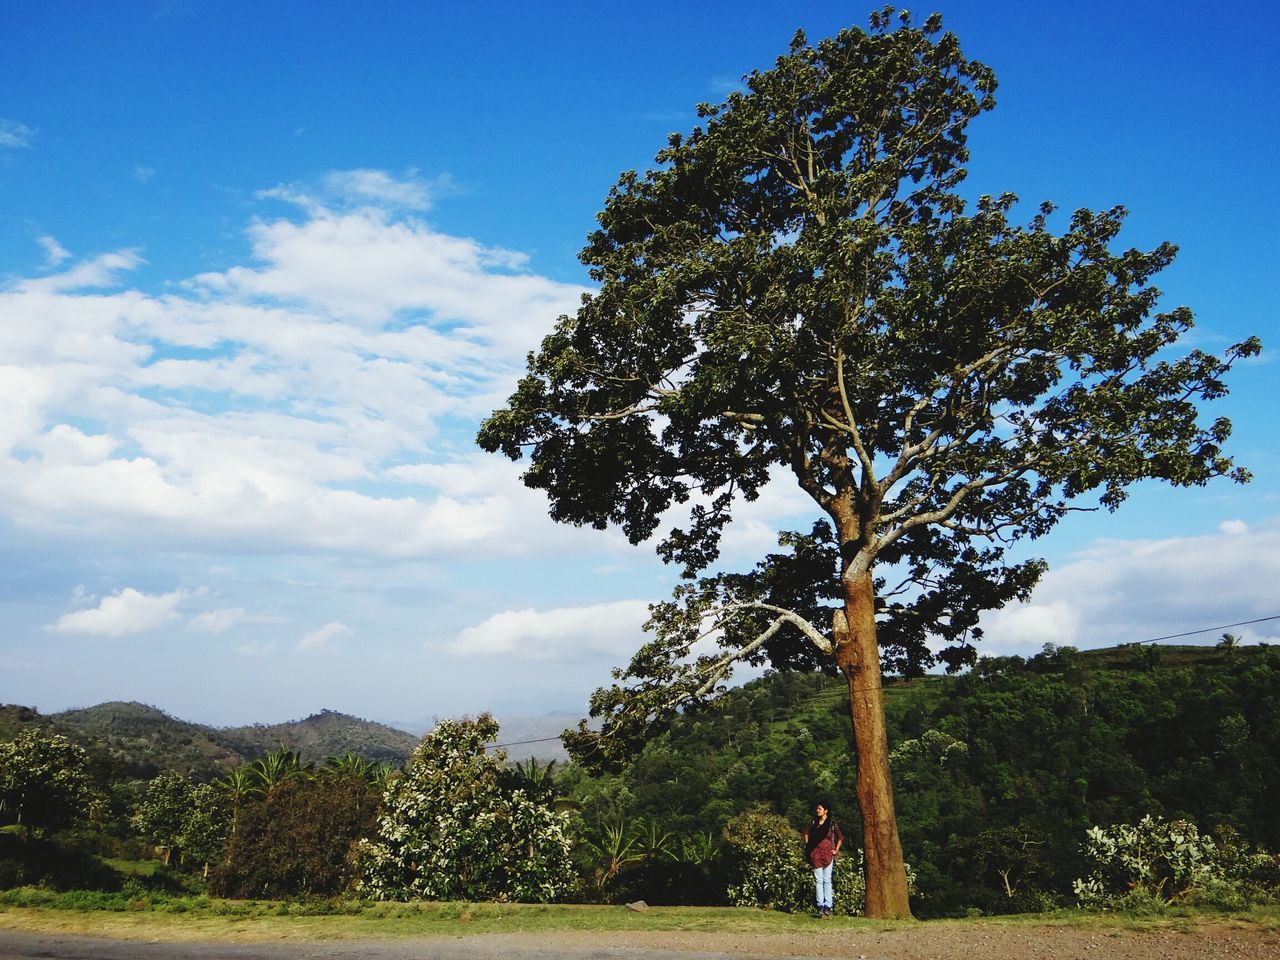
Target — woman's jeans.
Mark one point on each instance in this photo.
(822, 881)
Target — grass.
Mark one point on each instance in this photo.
(136, 914)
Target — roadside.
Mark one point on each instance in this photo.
(29, 933)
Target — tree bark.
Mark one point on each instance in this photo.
(858, 656)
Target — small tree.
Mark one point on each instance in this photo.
(162, 814)
(799, 291)
(45, 782)
(182, 817)
(450, 830)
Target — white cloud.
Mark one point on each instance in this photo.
(143, 174)
(275, 405)
(323, 636)
(54, 252)
(127, 612)
(378, 186)
(604, 630)
(217, 621)
(101, 271)
(14, 134)
(256, 649)
(363, 188)
(1123, 591)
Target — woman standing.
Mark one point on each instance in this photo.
(822, 839)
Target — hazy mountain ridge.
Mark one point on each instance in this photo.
(324, 734)
(141, 740)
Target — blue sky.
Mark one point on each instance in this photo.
(264, 267)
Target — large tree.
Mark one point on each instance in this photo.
(798, 290)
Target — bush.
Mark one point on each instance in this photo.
(57, 861)
(1143, 867)
(768, 868)
(298, 840)
(451, 830)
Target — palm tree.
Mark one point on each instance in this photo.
(238, 786)
(348, 765)
(276, 768)
(615, 849)
(654, 843)
(536, 776)
(1229, 644)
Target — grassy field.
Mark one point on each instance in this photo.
(206, 919)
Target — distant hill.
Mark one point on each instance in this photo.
(142, 741)
(324, 734)
(148, 741)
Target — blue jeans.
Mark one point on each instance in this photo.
(822, 881)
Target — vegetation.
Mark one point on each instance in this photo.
(1070, 778)
(799, 292)
(452, 829)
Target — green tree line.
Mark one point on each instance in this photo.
(1064, 778)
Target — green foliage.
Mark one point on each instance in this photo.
(766, 860)
(1154, 858)
(449, 830)
(768, 867)
(1156, 862)
(190, 818)
(297, 838)
(45, 782)
(998, 773)
(57, 862)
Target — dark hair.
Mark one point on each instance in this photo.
(822, 802)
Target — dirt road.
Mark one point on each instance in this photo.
(922, 942)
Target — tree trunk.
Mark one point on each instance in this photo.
(858, 656)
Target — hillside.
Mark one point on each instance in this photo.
(141, 741)
(324, 734)
(1002, 768)
(147, 740)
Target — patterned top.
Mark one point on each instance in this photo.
(824, 851)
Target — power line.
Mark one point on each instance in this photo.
(519, 743)
(1192, 633)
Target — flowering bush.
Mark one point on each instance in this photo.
(1156, 862)
(449, 830)
(45, 782)
(769, 868)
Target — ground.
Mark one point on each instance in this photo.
(1225, 940)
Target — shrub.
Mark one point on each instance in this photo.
(298, 840)
(1143, 867)
(451, 830)
(768, 868)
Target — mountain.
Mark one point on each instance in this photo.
(324, 734)
(141, 741)
(148, 741)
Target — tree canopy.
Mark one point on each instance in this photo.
(799, 292)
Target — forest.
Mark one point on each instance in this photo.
(1139, 773)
